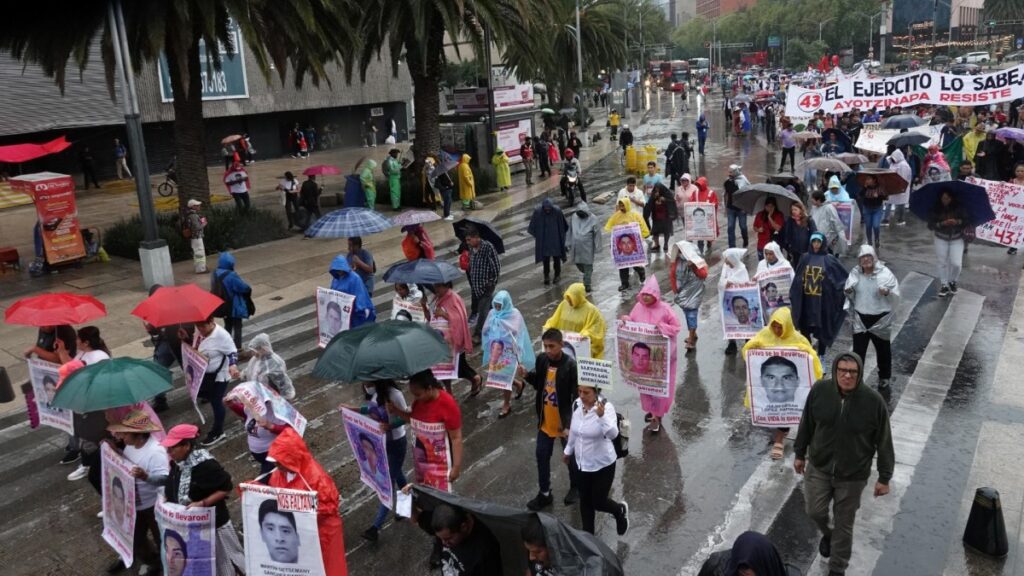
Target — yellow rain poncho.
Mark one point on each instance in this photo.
(619, 217)
(467, 189)
(576, 314)
(790, 338)
(502, 173)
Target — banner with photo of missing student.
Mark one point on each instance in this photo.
(502, 365)
(778, 381)
(448, 369)
(700, 221)
(431, 454)
(281, 533)
(845, 211)
(256, 396)
(643, 355)
(118, 488)
(773, 286)
(369, 446)
(195, 365)
(627, 246)
(576, 345)
(188, 544)
(402, 309)
(333, 313)
(44, 376)
(741, 311)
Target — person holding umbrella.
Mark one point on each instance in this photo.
(417, 244)
(947, 221)
(548, 228)
(197, 478)
(440, 181)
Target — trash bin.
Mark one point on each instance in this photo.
(986, 531)
(354, 195)
(631, 159)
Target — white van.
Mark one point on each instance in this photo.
(975, 58)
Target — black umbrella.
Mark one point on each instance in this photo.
(572, 552)
(422, 271)
(487, 232)
(973, 199)
(840, 137)
(901, 121)
(908, 139)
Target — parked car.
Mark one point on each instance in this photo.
(965, 69)
(1017, 56)
(975, 58)
(940, 62)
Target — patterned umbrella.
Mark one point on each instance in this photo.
(411, 217)
(348, 222)
(55, 309)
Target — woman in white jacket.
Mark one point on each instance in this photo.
(872, 291)
(593, 428)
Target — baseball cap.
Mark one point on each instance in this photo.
(192, 203)
(179, 434)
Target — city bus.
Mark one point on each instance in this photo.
(700, 66)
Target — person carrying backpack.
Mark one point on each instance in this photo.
(237, 296)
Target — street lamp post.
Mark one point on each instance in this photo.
(579, 70)
(822, 25)
(871, 36)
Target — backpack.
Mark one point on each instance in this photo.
(218, 290)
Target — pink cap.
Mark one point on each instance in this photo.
(179, 434)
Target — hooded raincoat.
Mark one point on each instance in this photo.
(548, 228)
(619, 217)
(661, 210)
(687, 274)
(347, 281)
(393, 169)
(780, 262)
(737, 272)
(863, 296)
(459, 339)
(235, 289)
(584, 238)
(816, 294)
(304, 473)
(502, 172)
(576, 314)
(267, 368)
(827, 221)
(467, 189)
(836, 192)
(705, 194)
(508, 324)
(417, 244)
(659, 314)
(791, 338)
(366, 178)
(899, 163)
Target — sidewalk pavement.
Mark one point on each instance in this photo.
(280, 272)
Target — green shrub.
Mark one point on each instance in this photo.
(226, 229)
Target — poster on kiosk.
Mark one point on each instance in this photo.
(54, 198)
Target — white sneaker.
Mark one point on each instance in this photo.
(99, 514)
(79, 473)
(449, 217)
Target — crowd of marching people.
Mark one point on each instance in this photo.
(799, 233)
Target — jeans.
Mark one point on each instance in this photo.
(872, 224)
(545, 448)
(483, 306)
(528, 166)
(234, 327)
(215, 394)
(700, 144)
(821, 490)
(291, 204)
(624, 274)
(949, 257)
(735, 216)
(396, 460)
(883, 348)
(594, 488)
(241, 201)
(791, 153)
(446, 201)
(547, 266)
(588, 273)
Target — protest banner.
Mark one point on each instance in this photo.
(699, 219)
(874, 139)
(908, 90)
(369, 446)
(644, 357)
(741, 311)
(44, 377)
(576, 345)
(773, 286)
(281, 533)
(449, 369)
(402, 309)
(627, 246)
(257, 397)
(845, 211)
(118, 486)
(333, 313)
(187, 539)
(778, 380)
(431, 454)
(502, 364)
(195, 367)
(1008, 203)
(594, 373)
(54, 198)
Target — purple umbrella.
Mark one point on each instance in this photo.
(1010, 133)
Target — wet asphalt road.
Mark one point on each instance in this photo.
(682, 485)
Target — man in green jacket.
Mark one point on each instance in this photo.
(393, 170)
(843, 425)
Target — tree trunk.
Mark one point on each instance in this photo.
(426, 82)
(184, 69)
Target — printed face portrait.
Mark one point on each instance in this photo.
(117, 503)
(626, 245)
(497, 349)
(780, 379)
(403, 315)
(190, 373)
(370, 452)
(741, 309)
(333, 324)
(771, 292)
(640, 358)
(277, 529)
(175, 554)
(700, 218)
(50, 386)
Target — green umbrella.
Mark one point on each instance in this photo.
(547, 111)
(112, 384)
(389, 349)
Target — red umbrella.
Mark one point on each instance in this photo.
(55, 309)
(177, 305)
(322, 169)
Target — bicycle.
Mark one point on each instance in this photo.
(167, 187)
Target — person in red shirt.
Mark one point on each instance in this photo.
(432, 405)
(704, 193)
(768, 223)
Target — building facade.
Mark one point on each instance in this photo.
(714, 8)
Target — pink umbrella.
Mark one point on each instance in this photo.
(321, 170)
(410, 217)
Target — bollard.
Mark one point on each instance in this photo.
(986, 531)
(6, 389)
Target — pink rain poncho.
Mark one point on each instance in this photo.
(659, 314)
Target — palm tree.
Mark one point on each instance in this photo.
(1004, 10)
(414, 32)
(301, 34)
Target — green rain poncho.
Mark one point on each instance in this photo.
(369, 186)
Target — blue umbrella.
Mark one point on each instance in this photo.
(971, 197)
(422, 271)
(348, 222)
